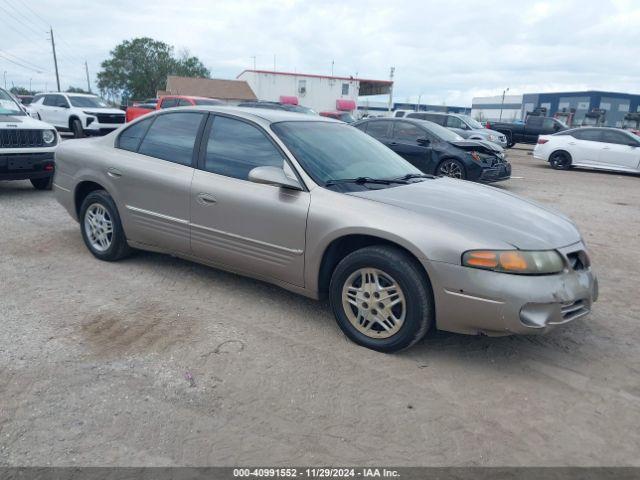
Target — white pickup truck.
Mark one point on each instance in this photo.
(27, 145)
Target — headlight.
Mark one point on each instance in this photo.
(475, 155)
(492, 138)
(523, 262)
(48, 136)
(89, 113)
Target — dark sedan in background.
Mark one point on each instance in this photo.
(438, 151)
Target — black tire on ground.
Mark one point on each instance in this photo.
(76, 128)
(118, 247)
(407, 273)
(42, 183)
(560, 160)
(448, 166)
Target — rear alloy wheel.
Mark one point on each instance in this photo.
(560, 160)
(42, 183)
(76, 128)
(101, 228)
(452, 168)
(381, 298)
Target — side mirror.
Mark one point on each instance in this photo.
(273, 176)
(423, 141)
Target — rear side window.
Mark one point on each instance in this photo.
(399, 114)
(184, 103)
(534, 121)
(454, 122)
(172, 137)
(435, 118)
(234, 148)
(131, 137)
(588, 134)
(379, 129)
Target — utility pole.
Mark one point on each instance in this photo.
(55, 59)
(5, 79)
(254, 62)
(274, 62)
(86, 69)
(419, 98)
(504, 92)
(332, 62)
(391, 90)
(30, 85)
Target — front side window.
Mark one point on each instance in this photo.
(87, 102)
(588, 134)
(234, 148)
(379, 129)
(407, 132)
(184, 103)
(169, 102)
(548, 123)
(131, 137)
(172, 137)
(454, 122)
(619, 138)
(331, 151)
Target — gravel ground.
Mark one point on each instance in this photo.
(158, 361)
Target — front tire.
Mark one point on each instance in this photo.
(451, 167)
(101, 228)
(381, 299)
(76, 128)
(42, 183)
(560, 160)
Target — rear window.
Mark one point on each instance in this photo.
(131, 136)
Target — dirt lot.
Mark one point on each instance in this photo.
(95, 359)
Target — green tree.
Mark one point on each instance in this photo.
(138, 68)
(72, 89)
(20, 91)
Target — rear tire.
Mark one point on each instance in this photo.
(101, 228)
(42, 183)
(560, 160)
(76, 128)
(381, 298)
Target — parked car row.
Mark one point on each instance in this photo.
(324, 209)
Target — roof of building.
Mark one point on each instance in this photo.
(367, 86)
(210, 88)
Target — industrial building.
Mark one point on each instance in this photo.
(378, 108)
(590, 107)
(319, 92)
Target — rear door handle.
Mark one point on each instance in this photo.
(606, 148)
(114, 172)
(206, 199)
(572, 143)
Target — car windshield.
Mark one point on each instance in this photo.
(84, 102)
(335, 151)
(471, 122)
(8, 106)
(441, 132)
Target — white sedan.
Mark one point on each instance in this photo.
(600, 148)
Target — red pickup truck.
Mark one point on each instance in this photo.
(139, 109)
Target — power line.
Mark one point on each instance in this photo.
(28, 27)
(31, 64)
(24, 4)
(19, 64)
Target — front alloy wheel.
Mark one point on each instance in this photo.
(451, 168)
(101, 228)
(382, 298)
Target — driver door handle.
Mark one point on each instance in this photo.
(206, 199)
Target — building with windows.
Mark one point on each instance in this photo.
(381, 109)
(319, 92)
(592, 107)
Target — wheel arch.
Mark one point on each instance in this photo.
(343, 245)
(73, 117)
(83, 189)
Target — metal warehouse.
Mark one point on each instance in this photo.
(592, 107)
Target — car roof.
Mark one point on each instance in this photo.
(270, 116)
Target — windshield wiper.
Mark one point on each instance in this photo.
(363, 180)
(409, 176)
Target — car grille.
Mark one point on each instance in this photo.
(571, 310)
(21, 138)
(110, 118)
(502, 139)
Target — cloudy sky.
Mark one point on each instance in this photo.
(445, 51)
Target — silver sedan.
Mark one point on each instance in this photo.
(320, 208)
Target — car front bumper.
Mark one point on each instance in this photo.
(496, 174)
(474, 301)
(22, 166)
(95, 128)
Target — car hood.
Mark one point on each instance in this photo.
(481, 212)
(102, 110)
(21, 122)
(479, 145)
